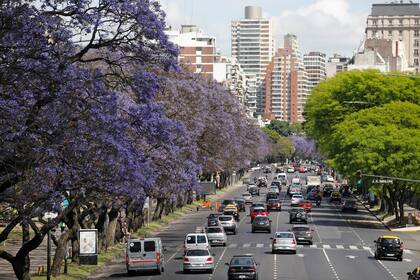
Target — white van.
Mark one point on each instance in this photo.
(145, 254)
(295, 181)
(196, 241)
(282, 177)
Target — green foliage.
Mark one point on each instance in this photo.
(285, 129)
(282, 147)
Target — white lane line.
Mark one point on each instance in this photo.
(407, 260)
(366, 248)
(407, 251)
(234, 245)
(331, 266)
(260, 245)
(349, 225)
(176, 252)
(301, 255)
(275, 267)
(339, 246)
(326, 246)
(351, 257)
(314, 246)
(246, 245)
(217, 263)
(352, 247)
(384, 266)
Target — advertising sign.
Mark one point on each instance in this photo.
(88, 246)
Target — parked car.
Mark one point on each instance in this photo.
(271, 195)
(296, 199)
(274, 204)
(254, 191)
(303, 234)
(198, 259)
(247, 197)
(415, 274)
(335, 197)
(261, 223)
(242, 267)
(228, 223)
(306, 204)
(283, 241)
(389, 246)
(349, 205)
(258, 211)
(216, 235)
(213, 219)
(196, 241)
(146, 254)
(298, 215)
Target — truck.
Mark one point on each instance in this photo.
(313, 181)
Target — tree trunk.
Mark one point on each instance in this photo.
(25, 262)
(112, 226)
(19, 267)
(101, 226)
(159, 208)
(59, 254)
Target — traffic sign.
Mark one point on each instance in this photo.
(382, 181)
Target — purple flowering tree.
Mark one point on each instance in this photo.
(304, 147)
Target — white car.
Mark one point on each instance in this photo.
(283, 241)
(329, 178)
(296, 199)
(290, 170)
(247, 197)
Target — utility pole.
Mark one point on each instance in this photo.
(49, 252)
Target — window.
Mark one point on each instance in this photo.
(416, 33)
(201, 239)
(149, 246)
(400, 22)
(400, 33)
(416, 52)
(198, 253)
(375, 22)
(135, 247)
(191, 239)
(416, 43)
(198, 60)
(416, 62)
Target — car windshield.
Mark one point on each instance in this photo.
(214, 230)
(197, 253)
(284, 235)
(300, 229)
(242, 261)
(212, 216)
(228, 201)
(261, 219)
(259, 210)
(224, 219)
(390, 241)
(297, 196)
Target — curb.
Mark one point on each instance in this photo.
(373, 214)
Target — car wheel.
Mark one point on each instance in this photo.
(273, 251)
(400, 259)
(269, 231)
(290, 221)
(186, 271)
(162, 269)
(310, 242)
(224, 244)
(294, 252)
(158, 270)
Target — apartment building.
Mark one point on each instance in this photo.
(315, 67)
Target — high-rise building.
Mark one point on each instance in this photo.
(196, 50)
(400, 22)
(337, 64)
(315, 67)
(285, 86)
(253, 47)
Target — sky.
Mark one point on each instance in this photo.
(329, 26)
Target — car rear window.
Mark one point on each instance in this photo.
(273, 201)
(242, 261)
(214, 230)
(201, 239)
(261, 219)
(390, 241)
(191, 239)
(301, 229)
(214, 216)
(197, 253)
(135, 247)
(259, 210)
(284, 235)
(149, 246)
(224, 219)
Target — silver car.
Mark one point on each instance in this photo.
(248, 197)
(216, 235)
(283, 241)
(198, 259)
(228, 223)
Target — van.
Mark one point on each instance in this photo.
(196, 241)
(145, 254)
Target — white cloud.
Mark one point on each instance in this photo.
(325, 25)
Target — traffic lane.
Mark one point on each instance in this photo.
(358, 264)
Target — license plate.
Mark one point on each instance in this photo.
(242, 276)
(301, 238)
(390, 255)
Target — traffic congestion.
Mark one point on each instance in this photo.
(283, 222)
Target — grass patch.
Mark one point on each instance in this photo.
(16, 233)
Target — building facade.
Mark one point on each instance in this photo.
(196, 50)
(253, 48)
(399, 22)
(315, 67)
(285, 84)
(337, 64)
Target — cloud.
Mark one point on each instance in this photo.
(325, 25)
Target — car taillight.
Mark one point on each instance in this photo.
(232, 269)
(293, 241)
(209, 260)
(186, 260)
(158, 256)
(253, 268)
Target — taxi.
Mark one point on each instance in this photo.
(389, 246)
(231, 206)
(415, 274)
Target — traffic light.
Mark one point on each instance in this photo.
(359, 180)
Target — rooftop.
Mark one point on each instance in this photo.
(396, 8)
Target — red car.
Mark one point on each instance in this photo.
(302, 169)
(258, 211)
(273, 204)
(306, 204)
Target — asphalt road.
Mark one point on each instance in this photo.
(342, 249)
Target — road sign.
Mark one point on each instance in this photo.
(146, 203)
(382, 181)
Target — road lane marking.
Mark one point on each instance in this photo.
(351, 257)
(176, 252)
(234, 245)
(366, 248)
(353, 247)
(339, 246)
(408, 251)
(260, 245)
(217, 263)
(384, 266)
(326, 246)
(275, 267)
(407, 260)
(246, 245)
(300, 255)
(331, 266)
(313, 246)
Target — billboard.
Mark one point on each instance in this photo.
(207, 188)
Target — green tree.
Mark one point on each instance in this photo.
(282, 147)
(281, 127)
(382, 141)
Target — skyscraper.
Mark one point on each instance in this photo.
(315, 68)
(253, 47)
(285, 86)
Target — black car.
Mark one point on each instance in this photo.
(241, 204)
(254, 191)
(213, 219)
(273, 204)
(261, 223)
(389, 246)
(298, 215)
(242, 267)
(327, 190)
(267, 170)
(271, 195)
(303, 234)
(349, 205)
(276, 183)
(415, 274)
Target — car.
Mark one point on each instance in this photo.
(267, 170)
(196, 240)
(198, 259)
(298, 215)
(296, 199)
(262, 182)
(303, 234)
(247, 197)
(290, 170)
(242, 267)
(349, 205)
(327, 189)
(241, 203)
(254, 191)
(306, 204)
(282, 177)
(313, 194)
(216, 235)
(302, 169)
(250, 186)
(389, 246)
(415, 274)
(261, 223)
(145, 254)
(271, 195)
(276, 184)
(279, 170)
(258, 211)
(274, 204)
(295, 181)
(232, 212)
(335, 197)
(228, 223)
(226, 202)
(329, 178)
(213, 219)
(256, 205)
(233, 206)
(283, 241)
